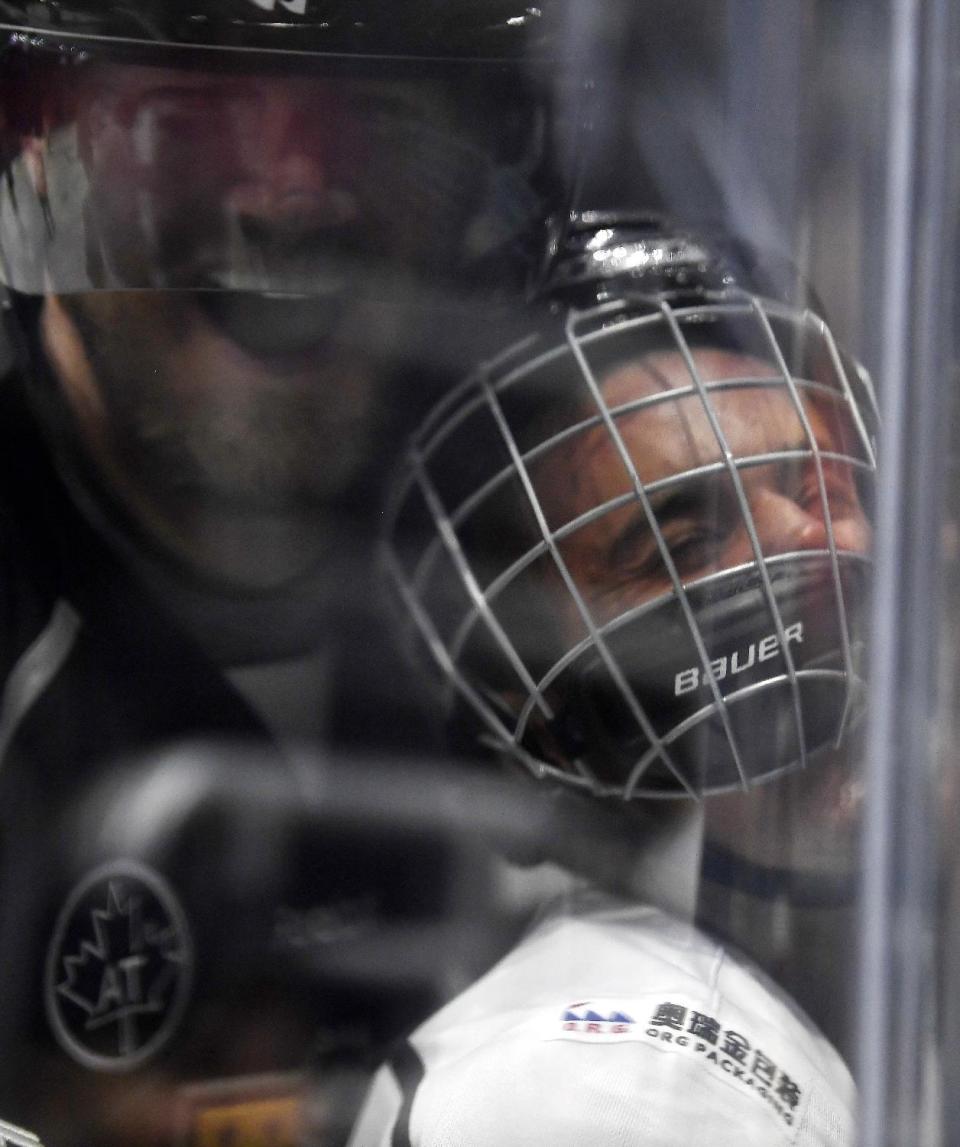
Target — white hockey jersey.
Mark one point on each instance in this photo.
(613, 1025)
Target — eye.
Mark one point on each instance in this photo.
(696, 547)
(691, 545)
(195, 113)
(695, 523)
(634, 551)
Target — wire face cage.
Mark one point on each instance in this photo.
(637, 543)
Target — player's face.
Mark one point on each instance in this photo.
(616, 560)
(241, 180)
(193, 416)
(235, 376)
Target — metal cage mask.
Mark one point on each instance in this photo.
(680, 671)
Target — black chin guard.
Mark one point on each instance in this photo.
(736, 712)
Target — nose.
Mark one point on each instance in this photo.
(288, 181)
(785, 526)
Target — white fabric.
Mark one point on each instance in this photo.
(613, 1024)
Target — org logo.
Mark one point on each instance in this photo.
(594, 1019)
(119, 967)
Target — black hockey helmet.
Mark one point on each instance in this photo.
(637, 542)
(128, 128)
(476, 29)
(491, 29)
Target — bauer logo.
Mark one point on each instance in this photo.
(737, 662)
(118, 968)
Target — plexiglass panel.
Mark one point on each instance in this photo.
(479, 539)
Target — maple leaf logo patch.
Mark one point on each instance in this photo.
(119, 967)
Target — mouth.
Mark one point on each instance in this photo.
(279, 296)
(274, 325)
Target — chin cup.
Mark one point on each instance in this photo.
(775, 677)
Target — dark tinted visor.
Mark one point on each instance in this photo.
(299, 175)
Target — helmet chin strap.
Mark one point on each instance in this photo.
(644, 850)
(722, 866)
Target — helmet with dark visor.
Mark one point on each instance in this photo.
(295, 147)
(582, 533)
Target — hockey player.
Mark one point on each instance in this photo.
(677, 472)
(229, 231)
(677, 1041)
(668, 606)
